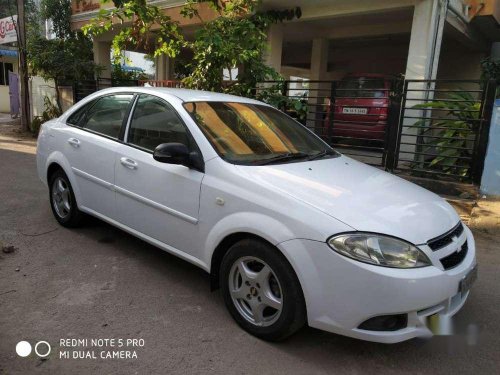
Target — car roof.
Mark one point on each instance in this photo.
(186, 95)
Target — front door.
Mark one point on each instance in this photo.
(157, 199)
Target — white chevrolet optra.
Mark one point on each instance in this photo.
(290, 230)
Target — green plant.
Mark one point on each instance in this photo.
(296, 106)
(67, 57)
(51, 111)
(451, 147)
(490, 69)
(237, 37)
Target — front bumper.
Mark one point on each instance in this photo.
(341, 293)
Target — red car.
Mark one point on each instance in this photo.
(360, 108)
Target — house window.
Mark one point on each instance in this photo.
(5, 68)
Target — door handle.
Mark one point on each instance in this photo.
(129, 163)
(74, 142)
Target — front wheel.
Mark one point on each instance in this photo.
(261, 290)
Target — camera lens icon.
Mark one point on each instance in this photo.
(23, 348)
(42, 349)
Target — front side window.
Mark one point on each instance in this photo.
(155, 122)
(255, 134)
(107, 114)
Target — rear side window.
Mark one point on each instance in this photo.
(79, 115)
(155, 122)
(362, 87)
(107, 114)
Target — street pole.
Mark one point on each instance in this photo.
(23, 67)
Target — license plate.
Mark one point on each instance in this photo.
(355, 111)
(468, 280)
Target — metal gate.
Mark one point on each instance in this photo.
(86, 87)
(14, 95)
(423, 128)
(443, 128)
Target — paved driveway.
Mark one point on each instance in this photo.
(99, 282)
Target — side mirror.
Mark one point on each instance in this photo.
(178, 153)
(171, 153)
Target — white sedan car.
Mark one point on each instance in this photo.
(290, 230)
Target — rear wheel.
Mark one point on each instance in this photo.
(261, 290)
(63, 201)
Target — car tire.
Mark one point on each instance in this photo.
(261, 290)
(63, 201)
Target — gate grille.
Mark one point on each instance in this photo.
(443, 129)
(435, 129)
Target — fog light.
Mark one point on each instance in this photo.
(385, 323)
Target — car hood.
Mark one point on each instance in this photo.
(363, 197)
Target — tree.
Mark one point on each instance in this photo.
(166, 39)
(7, 8)
(67, 57)
(236, 38)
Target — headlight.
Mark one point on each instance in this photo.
(379, 250)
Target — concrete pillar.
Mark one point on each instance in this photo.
(272, 56)
(422, 41)
(102, 57)
(163, 67)
(318, 91)
(423, 57)
(490, 181)
(319, 59)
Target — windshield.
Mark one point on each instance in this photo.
(255, 134)
(361, 88)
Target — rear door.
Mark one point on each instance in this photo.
(90, 143)
(157, 199)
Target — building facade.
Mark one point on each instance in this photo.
(418, 38)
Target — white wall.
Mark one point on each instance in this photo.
(39, 88)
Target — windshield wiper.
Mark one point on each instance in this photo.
(283, 157)
(320, 155)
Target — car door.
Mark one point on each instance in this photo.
(90, 144)
(157, 199)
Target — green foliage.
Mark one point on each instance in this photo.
(182, 69)
(237, 38)
(7, 8)
(59, 11)
(296, 107)
(490, 69)
(69, 56)
(165, 40)
(454, 132)
(61, 59)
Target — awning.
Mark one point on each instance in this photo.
(127, 68)
(8, 52)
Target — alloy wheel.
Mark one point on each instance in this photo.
(255, 291)
(61, 197)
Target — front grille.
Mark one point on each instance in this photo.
(447, 238)
(454, 259)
